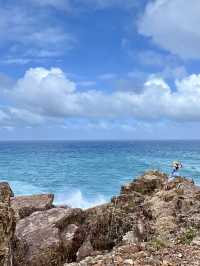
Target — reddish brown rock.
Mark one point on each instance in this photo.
(146, 184)
(26, 205)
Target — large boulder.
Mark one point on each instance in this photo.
(7, 225)
(26, 205)
(39, 237)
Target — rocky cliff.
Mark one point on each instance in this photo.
(153, 221)
(7, 225)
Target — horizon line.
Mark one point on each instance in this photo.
(92, 140)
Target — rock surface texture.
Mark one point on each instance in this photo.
(7, 225)
(39, 238)
(26, 205)
(153, 222)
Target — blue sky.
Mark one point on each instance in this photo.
(99, 69)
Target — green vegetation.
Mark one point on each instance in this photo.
(187, 237)
(158, 243)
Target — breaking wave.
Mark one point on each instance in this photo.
(76, 199)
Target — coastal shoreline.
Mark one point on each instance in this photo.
(153, 221)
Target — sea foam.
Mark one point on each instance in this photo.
(76, 199)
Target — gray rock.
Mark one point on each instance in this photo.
(85, 250)
(41, 234)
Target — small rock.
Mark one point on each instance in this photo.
(85, 250)
(129, 262)
(130, 238)
(166, 263)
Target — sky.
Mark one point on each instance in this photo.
(99, 69)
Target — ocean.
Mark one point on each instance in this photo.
(87, 173)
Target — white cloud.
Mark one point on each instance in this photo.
(49, 93)
(173, 25)
(29, 34)
(24, 116)
(12, 116)
(45, 90)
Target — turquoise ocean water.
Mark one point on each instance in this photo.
(85, 173)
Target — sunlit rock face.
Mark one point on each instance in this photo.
(26, 205)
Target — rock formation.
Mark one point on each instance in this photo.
(152, 222)
(26, 205)
(40, 237)
(7, 225)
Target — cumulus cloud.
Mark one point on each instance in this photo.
(174, 26)
(48, 93)
(44, 90)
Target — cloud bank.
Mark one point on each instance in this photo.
(173, 25)
(43, 94)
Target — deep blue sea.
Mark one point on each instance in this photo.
(85, 173)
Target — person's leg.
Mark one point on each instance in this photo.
(173, 172)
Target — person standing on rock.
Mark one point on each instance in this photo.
(176, 167)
